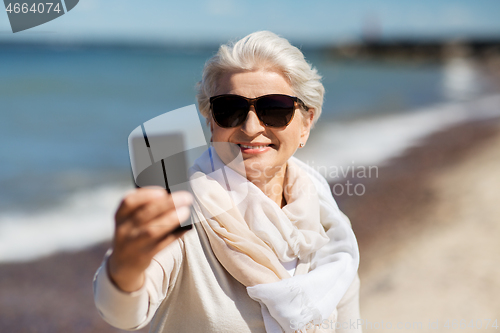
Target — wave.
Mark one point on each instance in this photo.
(82, 220)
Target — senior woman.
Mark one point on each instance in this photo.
(270, 251)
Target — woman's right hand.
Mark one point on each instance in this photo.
(144, 225)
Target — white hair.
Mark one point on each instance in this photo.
(262, 50)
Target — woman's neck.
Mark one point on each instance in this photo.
(273, 186)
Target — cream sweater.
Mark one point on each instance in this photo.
(187, 290)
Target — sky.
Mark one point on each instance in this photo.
(307, 22)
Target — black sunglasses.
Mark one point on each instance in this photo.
(274, 110)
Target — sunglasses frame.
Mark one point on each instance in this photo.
(251, 101)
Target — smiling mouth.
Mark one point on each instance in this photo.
(254, 147)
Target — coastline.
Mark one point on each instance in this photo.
(54, 294)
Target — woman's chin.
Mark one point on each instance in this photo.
(258, 166)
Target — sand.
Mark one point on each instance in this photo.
(434, 266)
(428, 228)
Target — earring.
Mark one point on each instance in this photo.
(302, 145)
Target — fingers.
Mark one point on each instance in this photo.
(137, 198)
(167, 240)
(162, 225)
(155, 208)
(145, 224)
(146, 216)
(146, 204)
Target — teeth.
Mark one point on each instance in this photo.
(254, 147)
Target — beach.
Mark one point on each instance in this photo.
(428, 232)
(427, 228)
(67, 166)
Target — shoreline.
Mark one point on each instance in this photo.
(54, 294)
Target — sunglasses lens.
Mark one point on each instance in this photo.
(230, 111)
(275, 110)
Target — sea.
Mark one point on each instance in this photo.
(66, 112)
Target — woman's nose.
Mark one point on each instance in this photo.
(252, 124)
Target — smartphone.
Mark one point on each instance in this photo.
(162, 149)
(169, 172)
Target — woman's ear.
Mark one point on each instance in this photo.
(210, 125)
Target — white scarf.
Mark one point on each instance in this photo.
(250, 234)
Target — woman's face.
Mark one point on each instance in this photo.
(272, 146)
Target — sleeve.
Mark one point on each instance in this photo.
(133, 311)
